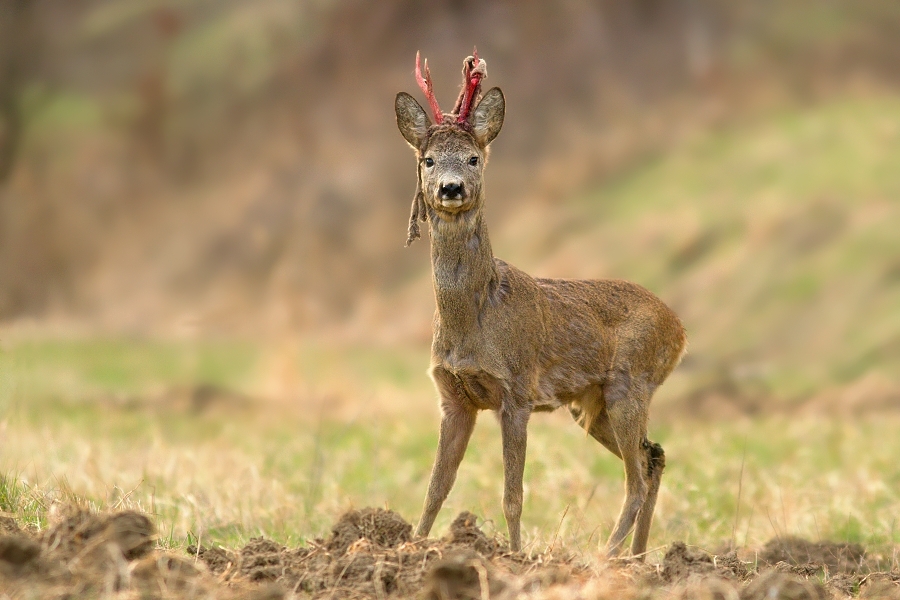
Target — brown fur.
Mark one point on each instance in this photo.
(508, 342)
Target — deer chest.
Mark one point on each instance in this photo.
(476, 388)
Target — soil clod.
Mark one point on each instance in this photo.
(464, 531)
(729, 564)
(131, 532)
(17, 550)
(838, 557)
(8, 525)
(216, 559)
(682, 562)
(775, 584)
(381, 527)
(463, 576)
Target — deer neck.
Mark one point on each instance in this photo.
(463, 269)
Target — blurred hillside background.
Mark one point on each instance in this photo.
(227, 176)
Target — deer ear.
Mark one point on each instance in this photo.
(411, 119)
(488, 116)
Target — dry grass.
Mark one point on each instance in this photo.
(228, 471)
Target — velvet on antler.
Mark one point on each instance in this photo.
(425, 84)
(474, 70)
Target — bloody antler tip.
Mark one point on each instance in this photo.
(426, 86)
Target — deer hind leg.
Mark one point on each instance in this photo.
(601, 430)
(656, 463)
(457, 423)
(626, 410)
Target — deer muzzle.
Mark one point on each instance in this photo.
(452, 195)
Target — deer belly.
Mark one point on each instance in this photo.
(547, 404)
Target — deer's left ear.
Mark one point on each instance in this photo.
(487, 119)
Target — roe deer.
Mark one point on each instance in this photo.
(514, 344)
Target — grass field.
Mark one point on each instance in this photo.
(239, 467)
(777, 244)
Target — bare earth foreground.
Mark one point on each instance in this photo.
(371, 554)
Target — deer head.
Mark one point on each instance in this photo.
(451, 151)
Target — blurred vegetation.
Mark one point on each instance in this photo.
(775, 241)
(190, 170)
(206, 311)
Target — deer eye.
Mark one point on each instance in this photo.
(429, 162)
(473, 161)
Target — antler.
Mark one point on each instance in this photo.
(425, 84)
(474, 70)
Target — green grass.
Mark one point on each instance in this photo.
(21, 500)
(67, 370)
(73, 368)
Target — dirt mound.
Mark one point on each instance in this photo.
(8, 525)
(132, 533)
(371, 553)
(464, 531)
(165, 575)
(797, 552)
(89, 555)
(465, 575)
(16, 551)
(384, 528)
(788, 568)
(775, 584)
(683, 563)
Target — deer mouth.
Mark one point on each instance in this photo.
(452, 200)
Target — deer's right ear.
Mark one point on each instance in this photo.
(412, 120)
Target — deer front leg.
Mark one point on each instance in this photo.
(457, 423)
(514, 430)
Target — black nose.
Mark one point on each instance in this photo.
(451, 191)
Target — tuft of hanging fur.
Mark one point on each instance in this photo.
(417, 211)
